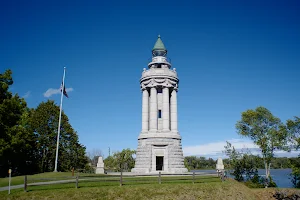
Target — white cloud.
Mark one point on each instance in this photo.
(215, 149)
(26, 95)
(287, 154)
(52, 91)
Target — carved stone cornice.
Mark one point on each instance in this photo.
(159, 82)
(161, 72)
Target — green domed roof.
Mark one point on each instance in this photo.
(159, 45)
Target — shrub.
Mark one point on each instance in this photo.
(285, 195)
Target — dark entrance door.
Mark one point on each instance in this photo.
(159, 163)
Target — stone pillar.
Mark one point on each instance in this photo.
(153, 109)
(166, 110)
(174, 111)
(100, 166)
(145, 111)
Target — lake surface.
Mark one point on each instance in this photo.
(280, 176)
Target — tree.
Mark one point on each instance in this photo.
(28, 136)
(44, 123)
(265, 130)
(109, 163)
(5, 81)
(243, 166)
(191, 162)
(17, 141)
(293, 127)
(234, 161)
(295, 175)
(124, 160)
(93, 156)
(120, 161)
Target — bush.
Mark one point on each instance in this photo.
(259, 182)
(255, 182)
(285, 195)
(252, 184)
(295, 175)
(271, 182)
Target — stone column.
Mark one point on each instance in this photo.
(166, 110)
(174, 111)
(153, 109)
(145, 111)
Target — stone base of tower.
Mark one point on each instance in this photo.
(159, 154)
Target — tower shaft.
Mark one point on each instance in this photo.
(159, 143)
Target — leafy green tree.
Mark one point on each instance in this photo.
(211, 163)
(281, 163)
(109, 163)
(203, 163)
(194, 162)
(124, 160)
(293, 127)
(186, 164)
(243, 166)
(5, 81)
(295, 175)
(191, 162)
(17, 141)
(44, 122)
(120, 161)
(234, 161)
(265, 130)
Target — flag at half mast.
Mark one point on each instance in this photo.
(65, 92)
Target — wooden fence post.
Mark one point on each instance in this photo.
(159, 177)
(193, 177)
(77, 181)
(9, 180)
(121, 178)
(72, 171)
(25, 183)
(222, 176)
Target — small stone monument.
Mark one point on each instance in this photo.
(100, 166)
(219, 165)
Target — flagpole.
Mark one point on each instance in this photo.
(59, 121)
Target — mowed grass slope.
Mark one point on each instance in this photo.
(48, 176)
(55, 176)
(44, 177)
(208, 188)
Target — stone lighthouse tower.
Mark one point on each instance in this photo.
(159, 143)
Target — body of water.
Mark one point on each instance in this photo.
(280, 176)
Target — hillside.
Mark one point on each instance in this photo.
(92, 190)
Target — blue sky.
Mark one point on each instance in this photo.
(230, 56)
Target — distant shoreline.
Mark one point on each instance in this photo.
(228, 169)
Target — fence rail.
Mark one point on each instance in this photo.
(121, 179)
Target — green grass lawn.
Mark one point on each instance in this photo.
(53, 176)
(204, 188)
(92, 186)
(44, 177)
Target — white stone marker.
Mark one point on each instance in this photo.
(219, 165)
(100, 166)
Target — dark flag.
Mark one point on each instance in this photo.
(65, 92)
